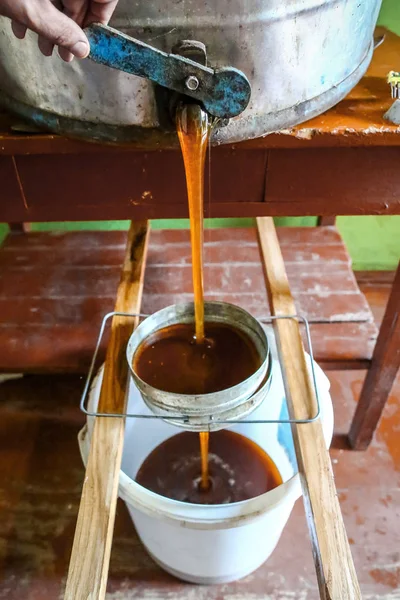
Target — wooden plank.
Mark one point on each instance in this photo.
(136, 179)
(240, 245)
(50, 313)
(68, 348)
(32, 257)
(88, 570)
(334, 308)
(305, 206)
(58, 283)
(11, 198)
(336, 574)
(343, 345)
(75, 243)
(334, 178)
(86, 257)
(42, 331)
(66, 241)
(248, 235)
(326, 221)
(62, 349)
(247, 277)
(380, 377)
(243, 183)
(375, 277)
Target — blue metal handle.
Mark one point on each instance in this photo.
(224, 93)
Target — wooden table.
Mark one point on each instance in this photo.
(344, 162)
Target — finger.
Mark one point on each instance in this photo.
(18, 29)
(46, 20)
(45, 46)
(76, 10)
(100, 11)
(65, 54)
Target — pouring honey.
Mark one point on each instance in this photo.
(201, 358)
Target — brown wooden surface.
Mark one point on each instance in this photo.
(243, 183)
(118, 186)
(326, 221)
(10, 191)
(55, 289)
(41, 476)
(381, 375)
(90, 557)
(336, 575)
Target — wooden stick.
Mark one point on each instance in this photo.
(336, 574)
(88, 569)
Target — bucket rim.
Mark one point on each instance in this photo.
(189, 403)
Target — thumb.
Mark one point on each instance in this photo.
(47, 21)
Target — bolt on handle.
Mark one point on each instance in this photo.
(224, 93)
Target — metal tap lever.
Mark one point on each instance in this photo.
(224, 92)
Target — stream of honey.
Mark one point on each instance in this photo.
(203, 358)
(193, 128)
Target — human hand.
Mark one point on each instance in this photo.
(58, 22)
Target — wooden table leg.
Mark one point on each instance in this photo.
(88, 569)
(382, 372)
(19, 227)
(325, 221)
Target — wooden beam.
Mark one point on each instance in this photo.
(326, 221)
(336, 574)
(88, 569)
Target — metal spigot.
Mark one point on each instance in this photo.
(224, 92)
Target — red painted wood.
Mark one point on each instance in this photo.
(11, 201)
(65, 187)
(359, 177)
(68, 348)
(243, 183)
(251, 208)
(326, 221)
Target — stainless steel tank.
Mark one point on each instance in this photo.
(301, 57)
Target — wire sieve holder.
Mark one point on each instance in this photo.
(265, 321)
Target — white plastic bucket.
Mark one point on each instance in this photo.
(220, 543)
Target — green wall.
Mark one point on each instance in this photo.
(390, 15)
(373, 242)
